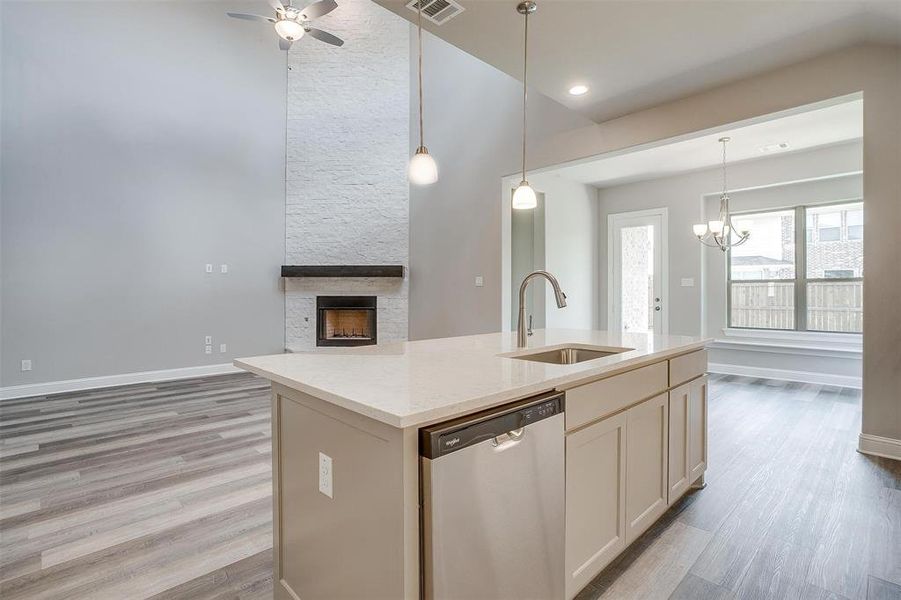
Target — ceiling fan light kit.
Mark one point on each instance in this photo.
(292, 23)
(289, 30)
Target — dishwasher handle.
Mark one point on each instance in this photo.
(503, 426)
(509, 439)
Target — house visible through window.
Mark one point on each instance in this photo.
(805, 279)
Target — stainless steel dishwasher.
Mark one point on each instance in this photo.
(493, 503)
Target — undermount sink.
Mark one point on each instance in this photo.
(569, 355)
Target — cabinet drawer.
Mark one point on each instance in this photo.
(592, 401)
(687, 367)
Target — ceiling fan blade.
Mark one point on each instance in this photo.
(317, 9)
(325, 36)
(284, 44)
(251, 17)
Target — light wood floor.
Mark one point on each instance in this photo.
(163, 491)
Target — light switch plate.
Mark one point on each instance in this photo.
(479, 281)
(222, 348)
(208, 340)
(223, 268)
(26, 365)
(208, 349)
(688, 282)
(325, 474)
(209, 268)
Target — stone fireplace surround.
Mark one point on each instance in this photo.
(347, 201)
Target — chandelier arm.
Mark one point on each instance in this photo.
(709, 245)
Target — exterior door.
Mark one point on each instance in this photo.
(637, 272)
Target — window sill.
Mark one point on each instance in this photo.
(812, 343)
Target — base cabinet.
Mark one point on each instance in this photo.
(595, 499)
(646, 454)
(679, 476)
(624, 470)
(697, 432)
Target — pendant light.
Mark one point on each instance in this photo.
(721, 233)
(524, 196)
(423, 170)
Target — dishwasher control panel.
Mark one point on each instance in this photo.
(444, 438)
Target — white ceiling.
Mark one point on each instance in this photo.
(803, 131)
(638, 53)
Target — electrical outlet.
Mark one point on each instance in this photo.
(325, 474)
(209, 268)
(26, 365)
(223, 268)
(479, 281)
(208, 340)
(222, 348)
(208, 350)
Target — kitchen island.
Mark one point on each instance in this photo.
(346, 452)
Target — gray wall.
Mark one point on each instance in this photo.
(473, 125)
(571, 250)
(872, 69)
(143, 143)
(682, 195)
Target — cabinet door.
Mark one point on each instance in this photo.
(697, 433)
(595, 499)
(678, 473)
(646, 464)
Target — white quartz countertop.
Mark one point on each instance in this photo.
(412, 384)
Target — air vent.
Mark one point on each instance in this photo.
(438, 12)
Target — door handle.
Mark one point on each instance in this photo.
(506, 440)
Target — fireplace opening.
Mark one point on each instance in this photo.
(345, 320)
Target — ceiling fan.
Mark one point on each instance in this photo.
(292, 23)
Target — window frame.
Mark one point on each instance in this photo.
(800, 280)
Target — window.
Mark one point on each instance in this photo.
(828, 225)
(806, 278)
(855, 224)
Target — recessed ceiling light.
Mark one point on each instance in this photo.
(578, 90)
(774, 147)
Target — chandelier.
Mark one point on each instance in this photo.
(721, 233)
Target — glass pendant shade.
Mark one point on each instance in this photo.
(700, 229)
(715, 226)
(423, 169)
(524, 197)
(289, 30)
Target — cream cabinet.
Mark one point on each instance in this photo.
(679, 475)
(646, 464)
(595, 499)
(697, 432)
(635, 443)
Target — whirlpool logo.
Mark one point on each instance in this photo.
(451, 442)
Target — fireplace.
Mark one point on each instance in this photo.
(345, 320)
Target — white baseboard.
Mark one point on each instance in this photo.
(786, 375)
(879, 446)
(89, 383)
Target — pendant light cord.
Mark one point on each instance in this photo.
(525, 72)
(419, 24)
